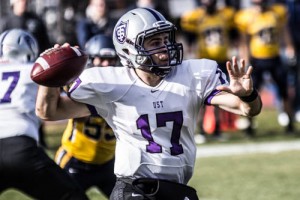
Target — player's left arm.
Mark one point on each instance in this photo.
(287, 39)
(239, 96)
(284, 30)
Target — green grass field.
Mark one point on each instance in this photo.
(244, 177)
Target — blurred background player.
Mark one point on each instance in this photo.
(20, 17)
(88, 143)
(213, 29)
(23, 164)
(264, 29)
(293, 7)
(96, 21)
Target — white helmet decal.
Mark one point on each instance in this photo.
(121, 32)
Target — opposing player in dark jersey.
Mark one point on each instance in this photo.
(88, 144)
(264, 30)
(213, 28)
(152, 105)
(23, 164)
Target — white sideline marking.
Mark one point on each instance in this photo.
(240, 149)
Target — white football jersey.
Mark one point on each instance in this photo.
(17, 101)
(154, 126)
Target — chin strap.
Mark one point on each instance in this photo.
(155, 70)
(160, 72)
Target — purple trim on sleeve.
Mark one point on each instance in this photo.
(212, 94)
(92, 110)
(74, 86)
(219, 71)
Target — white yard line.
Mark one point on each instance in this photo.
(240, 149)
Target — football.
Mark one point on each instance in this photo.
(58, 67)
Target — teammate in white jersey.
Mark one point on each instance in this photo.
(23, 164)
(152, 104)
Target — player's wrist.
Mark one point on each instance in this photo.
(251, 97)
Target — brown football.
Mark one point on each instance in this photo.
(58, 67)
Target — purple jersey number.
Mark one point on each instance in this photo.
(5, 76)
(161, 119)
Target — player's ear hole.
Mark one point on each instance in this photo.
(126, 51)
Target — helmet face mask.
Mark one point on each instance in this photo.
(133, 29)
(18, 45)
(173, 49)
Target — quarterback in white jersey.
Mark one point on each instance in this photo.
(152, 105)
(23, 164)
(151, 123)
